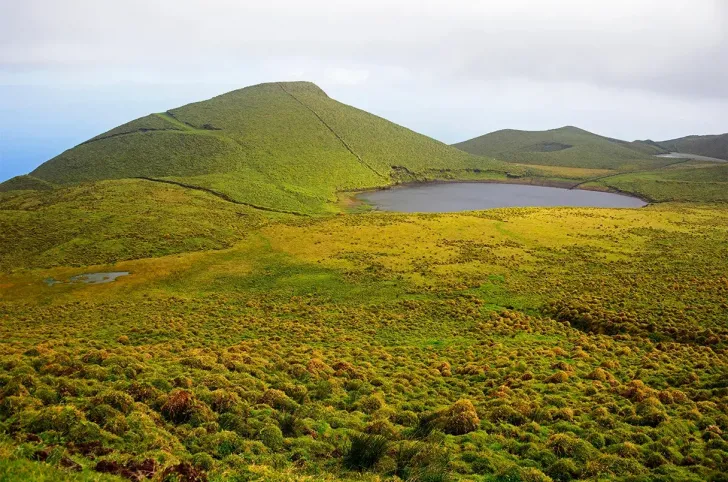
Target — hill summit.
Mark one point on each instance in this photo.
(567, 146)
(284, 146)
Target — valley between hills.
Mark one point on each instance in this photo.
(267, 324)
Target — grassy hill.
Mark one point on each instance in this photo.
(285, 146)
(709, 146)
(110, 221)
(25, 183)
(692, 181)
(566, 146)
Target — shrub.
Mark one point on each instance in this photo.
(408, 418)
(222, 401)
(203, 461)
(383, 428)
(506, 413)
(625, 450)
(426, 461)
(599, 374)
(291, 425)
(226, 443)
(121, 401)
(178, 407)
(47, 396)
(318, 368)
(637, 391)
(371, 403)
(596, 439)
(142, 392)
(182, 407)
(299, 393)
(101, 413)
(444, 368)
(459, 419)
(276, 399)
(58, 419)
(272, 437)
(563, 470)
(364, 451)
(558, 377)
(232, 421)
(568, 445)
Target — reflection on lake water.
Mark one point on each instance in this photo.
(471, 196)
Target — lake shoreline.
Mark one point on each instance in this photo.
(435, 196)
(576, 185)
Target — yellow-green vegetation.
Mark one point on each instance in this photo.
(567, 147)
(115, 220)
(686, 181)
(282, 146)
(516, 344)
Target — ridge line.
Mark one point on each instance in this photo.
(343, 142)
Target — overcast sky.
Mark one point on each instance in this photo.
(632, 69)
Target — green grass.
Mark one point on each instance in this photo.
(567, 147)
(710, 146)
(696, 182)
(25, 183)
(285, 146)
(113, 221)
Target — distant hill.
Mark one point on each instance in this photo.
(709, 146)
(567, 146)
(283, 146)
(25, 183)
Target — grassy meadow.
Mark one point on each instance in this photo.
(504, 345)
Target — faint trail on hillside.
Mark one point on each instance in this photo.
(136, 131)
(221, 195)
(594, 179)
(181, 127)
(348, 148)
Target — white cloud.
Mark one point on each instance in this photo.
(450, 68)
(342, 76)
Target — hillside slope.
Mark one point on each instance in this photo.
(709, 146)
(283, 146)
(566, 146)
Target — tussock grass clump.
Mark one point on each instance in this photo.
(181, 406)
(276, 399)
(364, 451)
(459, 419)
(558, 377)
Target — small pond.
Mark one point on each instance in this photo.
(471, 196)
(89, 278)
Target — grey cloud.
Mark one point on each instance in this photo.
(469, 62)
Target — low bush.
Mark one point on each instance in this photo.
(364, 451)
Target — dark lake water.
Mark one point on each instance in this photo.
(471, 196)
